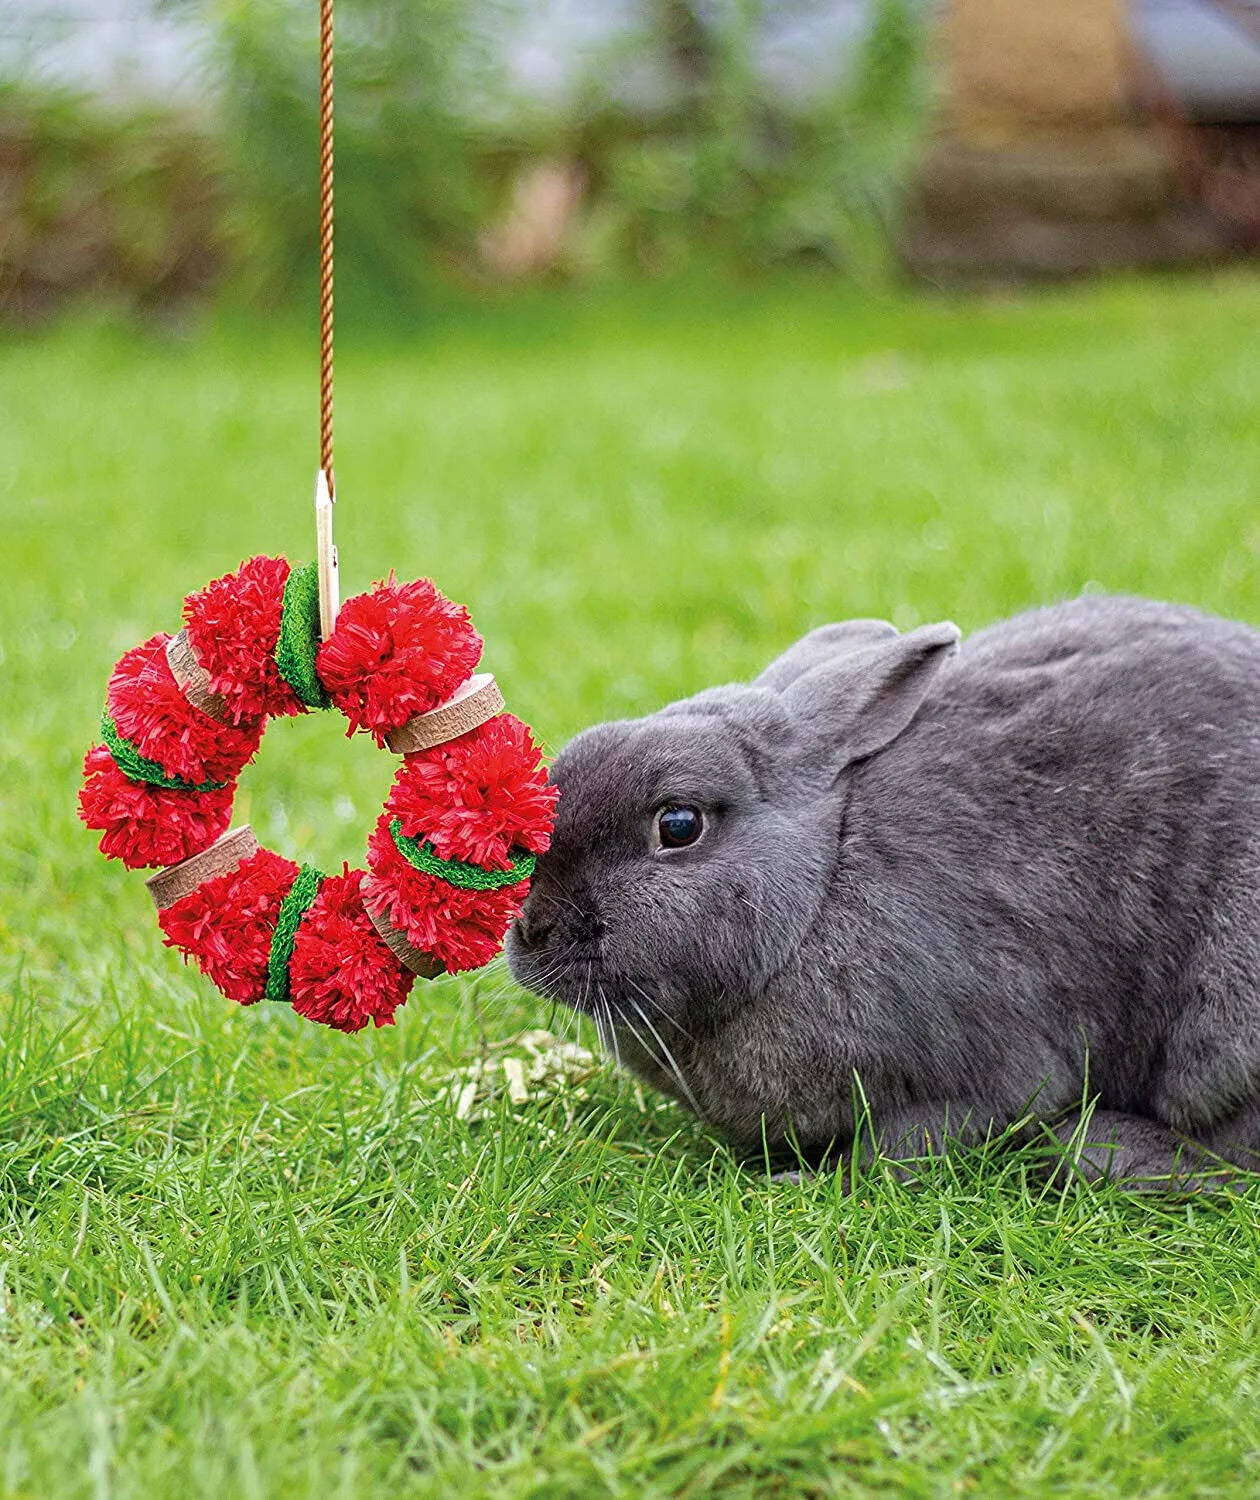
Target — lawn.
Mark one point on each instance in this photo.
(240, 1255)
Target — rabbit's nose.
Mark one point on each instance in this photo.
(534, 924)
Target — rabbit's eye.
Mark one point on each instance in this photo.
(679, 826)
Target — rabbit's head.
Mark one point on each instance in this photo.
(695, 849)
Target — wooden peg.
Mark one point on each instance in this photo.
(326, 556)
(422, 964)
(475, 703)
(193, 679)
(225, 854)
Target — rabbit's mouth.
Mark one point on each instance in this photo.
(634, 1024)
(573, 979)
(580, 980)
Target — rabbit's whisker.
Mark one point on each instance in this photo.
(658, 1062)
(751, 904)
(597, 1017)
(612, 1027)
(669, 1058)
(660, 1009)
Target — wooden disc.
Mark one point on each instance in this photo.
(226, 853)
(423, 964)
(474, 704)
(193, 678)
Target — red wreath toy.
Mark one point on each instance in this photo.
(451, 854)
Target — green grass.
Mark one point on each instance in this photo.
(240, 1255)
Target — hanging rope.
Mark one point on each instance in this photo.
(326, 241)
(325, 493)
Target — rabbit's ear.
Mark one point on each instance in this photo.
(823, 645)
(861, 702)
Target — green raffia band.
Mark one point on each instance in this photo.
(137, 767)
(293, 908)
(298, 640)
(458, 872)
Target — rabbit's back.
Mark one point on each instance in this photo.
(1089, 640)
(1061, 860)
(1108, 715)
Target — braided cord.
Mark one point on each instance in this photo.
(137, 767)
(459, 872)
(293, 908)
(326, 241)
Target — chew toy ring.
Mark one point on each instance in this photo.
(452, 851)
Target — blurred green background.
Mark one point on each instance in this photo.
(160, 155)
(462, 160)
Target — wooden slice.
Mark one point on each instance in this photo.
(226, 853)
(474, 704)
(326, 556)
(193, 678)
(423, 964)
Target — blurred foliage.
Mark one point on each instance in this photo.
(730, 166)
(125, 206)
(674, 147)
(410, 194)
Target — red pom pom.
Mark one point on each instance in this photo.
(341, 973)
(233, 625)
(227, 923)
(464, 929)
(147, 826)
(397, 651)
(149, 708)
(476, 797)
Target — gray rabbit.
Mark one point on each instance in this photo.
(961, 887)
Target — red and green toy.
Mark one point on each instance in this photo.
(449, 860)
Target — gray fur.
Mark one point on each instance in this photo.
(969, 885)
